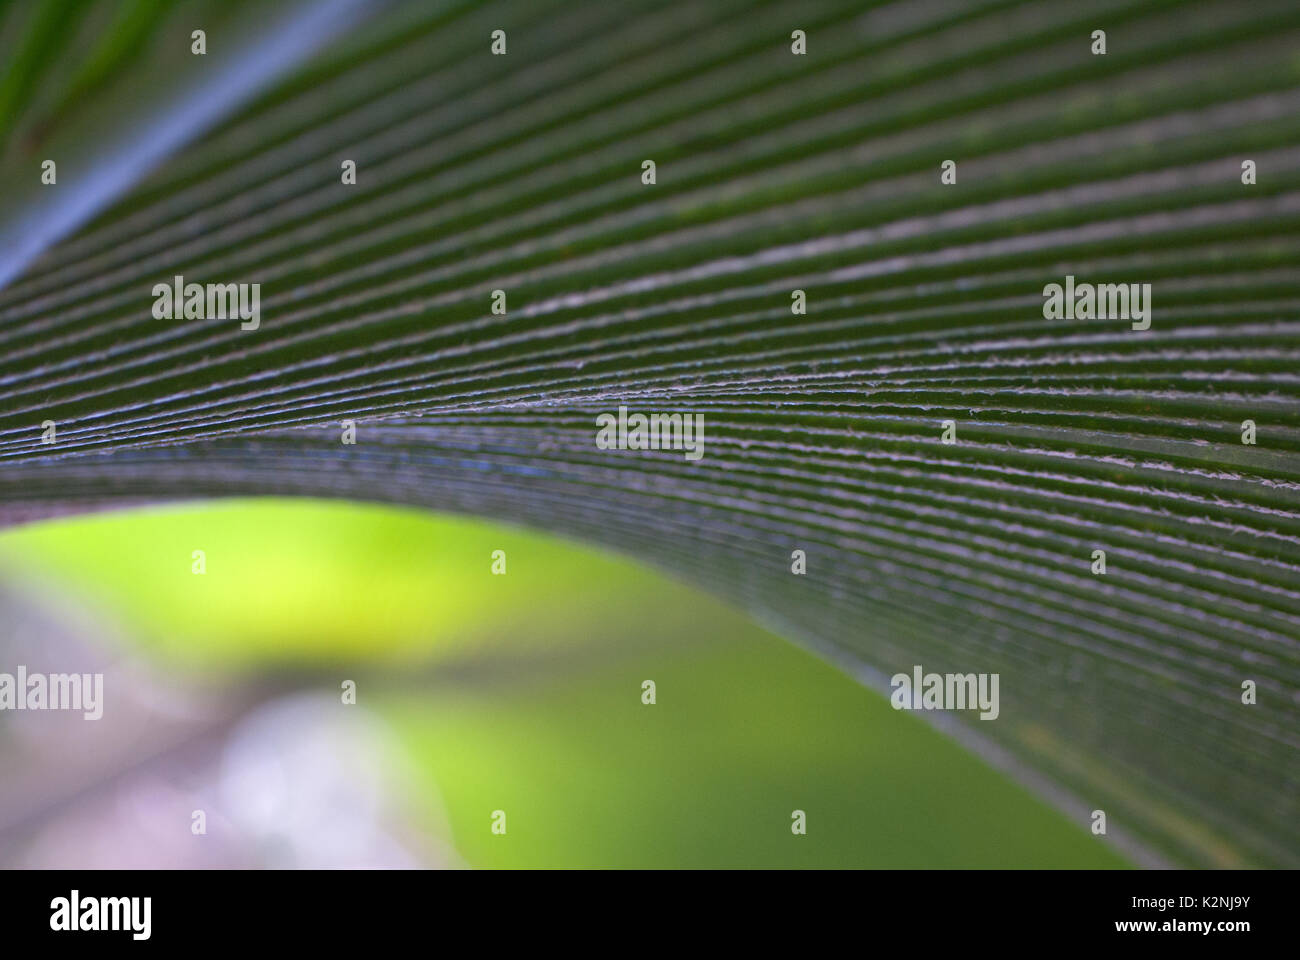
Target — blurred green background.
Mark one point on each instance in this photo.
(523, 692)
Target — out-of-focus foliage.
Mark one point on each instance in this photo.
(522, 692)
(306, 581)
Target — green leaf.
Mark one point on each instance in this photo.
(775, 172)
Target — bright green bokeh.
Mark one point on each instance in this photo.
(709, 776)
(523, 692)
(303, 581)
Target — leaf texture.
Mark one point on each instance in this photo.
(775, 172)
